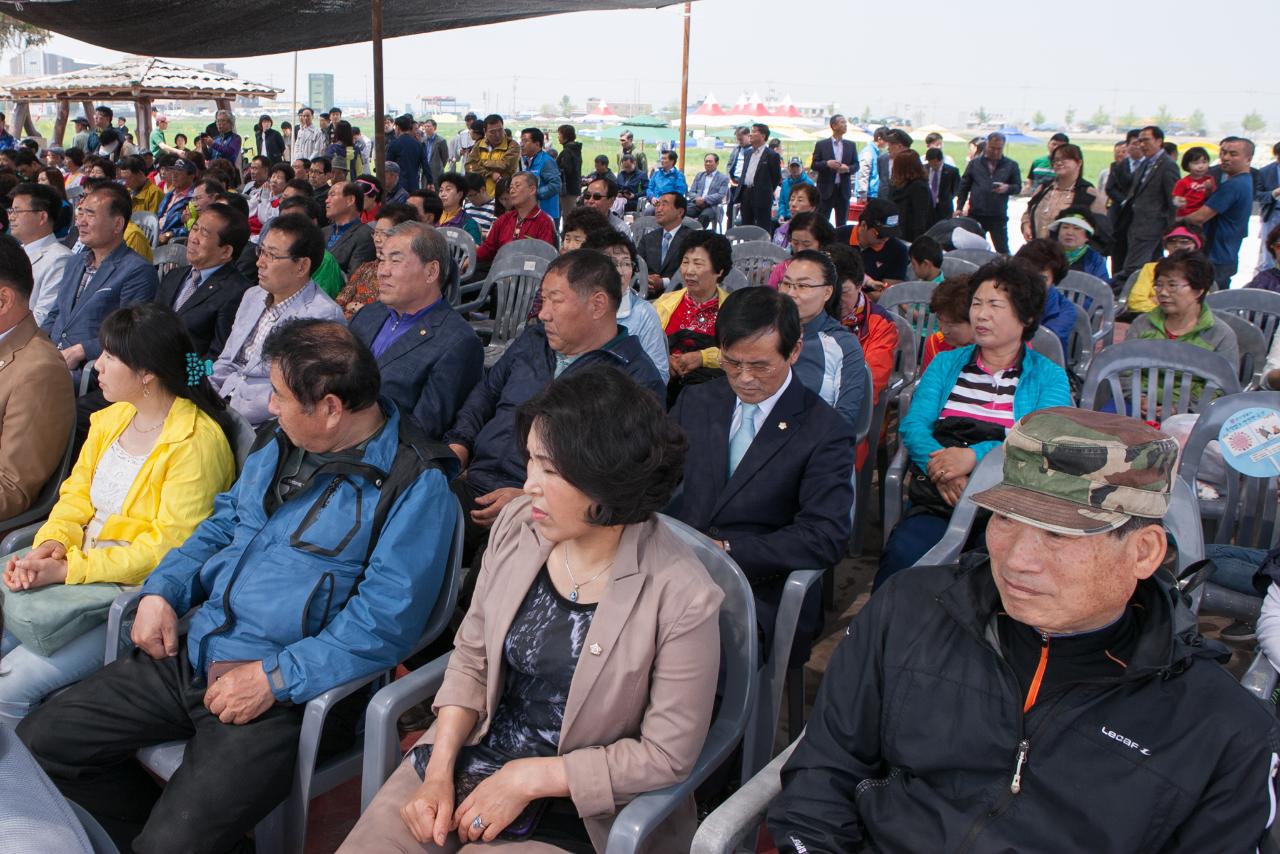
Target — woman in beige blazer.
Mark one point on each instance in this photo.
(585, 670)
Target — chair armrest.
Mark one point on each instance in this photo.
(19, 538)
(481, 288)
(120, 619)
(893, 489)
(643, 814)
(381, 737)
(86, 377)
(1260, 680)
(727, 827)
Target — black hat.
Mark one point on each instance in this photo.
(882, 215)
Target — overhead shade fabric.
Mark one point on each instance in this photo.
(216, 28)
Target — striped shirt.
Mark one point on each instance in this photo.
(482, 214)
(982, 394)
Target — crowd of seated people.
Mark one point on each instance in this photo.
(272, 441)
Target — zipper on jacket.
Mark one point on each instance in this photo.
(1015, 785)
(1033, 691)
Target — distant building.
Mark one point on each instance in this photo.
(320, 91)
(34, 62)
(622, 108)
(436, 105)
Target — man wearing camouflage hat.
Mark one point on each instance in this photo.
(1052, 697)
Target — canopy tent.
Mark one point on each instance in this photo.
(159, 27)
(602, 114)
(1012, 134)
(947, 136)
(142, 81)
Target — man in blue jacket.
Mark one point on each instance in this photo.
(534, 159)
(581, 292)
(300, 581)
(407, 152)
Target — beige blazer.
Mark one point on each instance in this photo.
(640, 703)
(37, 413)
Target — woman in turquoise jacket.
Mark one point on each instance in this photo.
(966, 401)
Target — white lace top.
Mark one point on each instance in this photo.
(116, 472)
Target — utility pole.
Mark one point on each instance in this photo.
(684, 86)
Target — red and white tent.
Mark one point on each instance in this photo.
(602, 114)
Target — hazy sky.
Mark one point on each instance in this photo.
(933, 61)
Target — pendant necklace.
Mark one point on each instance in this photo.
(573, 596)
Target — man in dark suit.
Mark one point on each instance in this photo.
(205, 292)
(661, 247)
(836, 162)
(769, 462)
(944, 181)
(100, 279)
(429, 357)
(348, 239)
(1147, 212)
(761, 177)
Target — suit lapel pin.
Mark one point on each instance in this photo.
(782, 425)
(422, 332)
(595, 649)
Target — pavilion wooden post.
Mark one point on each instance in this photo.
(684, 86)
(88, 114)
(60, 123)
(142, 107)
(21, 118)
(379, 131)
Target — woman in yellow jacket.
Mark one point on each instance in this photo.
(146, 477)
(688, 315)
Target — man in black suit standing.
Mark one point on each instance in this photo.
(661, 247)
(761, 176)
(767, 474)
(944, 180)
(836, 162)
(1147, 212)
(205, 292)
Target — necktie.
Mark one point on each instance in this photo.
(666, 244)
(188, 288)
(742, 439)
(933, 183)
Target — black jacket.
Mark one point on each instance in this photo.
(948, 186)
(209, 312)
(913, 742)
(915, 208)
(272, 146)
(570, 162)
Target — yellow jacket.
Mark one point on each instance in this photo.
(172, 494)
(148, 198)
(666, 304)
(136, 239)
(1142, 296)
(483, 159)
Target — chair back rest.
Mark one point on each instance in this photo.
(952, 267)
(756, 260)
(640, 281)
(1048, 345)
(243, 438)
(1093, 296)
(462, 247)
(746, 234)
(447, 599)
(908, 353)
(1163, 372)
(863, 427)
(515, 284)
(166, 257)
(736, 280)
(525, 247)
(1259, 307)
(1248, 504)
(149, 224)
(641, 226)
(986, 474)
(977, 257)
(739, 655)
(910, 300)
(1080, 344)
(691, 222)
(43, 503)
(1250, 343)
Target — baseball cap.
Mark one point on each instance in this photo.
(1183, 231)
(80, 120)
(795, 161)
(1077, 472)
(182, 164)
(882, 215)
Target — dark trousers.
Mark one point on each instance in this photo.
(1222, 274)
(837, 203)
(909, 540)
(231, 776)
(757, 207)
(997, 227)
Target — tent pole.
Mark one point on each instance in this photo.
(379, 131)
(684, 86)
(60, 123)
(295, 87)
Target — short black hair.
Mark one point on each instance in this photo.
(588, 271)
(234, 231)
(305, 206)
(404, 123)
(762, 127)
(326, 165)
(25, 157)
(1022, 282)
(431, 202)
(819, 227)
(105, 110)
(536, 135)
(1059, 137)
(457, 179)
(898, 136)
(678, 201)
(118, 201)
(926, 250)
(1043, 253)
(750, 312)
(41, 196)
(584, 218)
(493, 119)
(933, 154)
(950, 299)
(398, 212)
(607, 238)
(1192, 264)
(306, 240)
(1156, 131)
(1194, 153)
(1130, 135)
(301, 185)
(807, 190)
(610, 439)
(132, 163)
(717, 247)
(848, 261)
(318, 358)
(284, 169)
(610, 186)
(15, 267)
(604, 158)
(238, 202)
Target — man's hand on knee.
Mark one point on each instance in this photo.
(155, 628)
(240, 695)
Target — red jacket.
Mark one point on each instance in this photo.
(508, 227)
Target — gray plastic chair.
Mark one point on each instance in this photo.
(977, 257)
(1048, 345)
(1259, 307)
(910, 300)
(1094, 297)
(524, 248)
(244, 437)
(45, 498)
(756, 260)
(746, 234)
(150, 226)
(1250, 343)
(1079, 345)
(285, 827)
(730, 828)
(165, 258)
(641, 226)
(638, 818)
(515, 297)
(987, 473)
(735, 280)
(1130, 369)
(462, 247)
(1122, 301)
(511, 267)
(953, 266)
(640, 282)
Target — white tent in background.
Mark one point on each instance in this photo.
(709, 114)
(602, 114)
(749, 109)
(947, 136)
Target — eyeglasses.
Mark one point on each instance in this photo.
(788, 284)
(1169, 287)
(763, 370)
(595, 197)
(24, 210)
(264, 252)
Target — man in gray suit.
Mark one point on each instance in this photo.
(1148, 212)
(710, 187)
(348, 240)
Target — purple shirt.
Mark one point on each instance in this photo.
(396, 325)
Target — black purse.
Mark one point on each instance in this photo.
(950, 433)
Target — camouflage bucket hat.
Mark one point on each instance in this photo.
(1076, 472)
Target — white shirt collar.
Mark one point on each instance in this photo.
(765, 406)
(36, 245)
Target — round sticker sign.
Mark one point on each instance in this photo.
(1250, 441)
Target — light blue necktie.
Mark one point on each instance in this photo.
(666, 244)
(741, 440)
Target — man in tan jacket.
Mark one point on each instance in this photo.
(495, 157)
(37, 401)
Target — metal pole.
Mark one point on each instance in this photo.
(684, 86)
(295, 87)
(379, 133)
